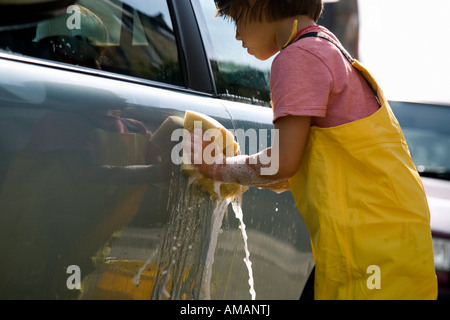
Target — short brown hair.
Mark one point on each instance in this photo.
(272, 10)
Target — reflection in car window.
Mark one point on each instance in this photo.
(128, 37)
(238, 75)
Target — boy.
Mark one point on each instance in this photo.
(341, 153)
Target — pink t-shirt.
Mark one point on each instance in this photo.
(311, 77)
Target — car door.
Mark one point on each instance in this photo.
(91, 206)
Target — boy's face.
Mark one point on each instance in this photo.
(259, 38)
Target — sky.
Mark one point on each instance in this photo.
(405, 45)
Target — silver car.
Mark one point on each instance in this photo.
(91, 207)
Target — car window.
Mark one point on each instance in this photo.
(238, 75)
(427, 133)
(129, 37)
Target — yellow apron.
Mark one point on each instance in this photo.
(366, 211)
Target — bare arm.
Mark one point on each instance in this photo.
(253, 170)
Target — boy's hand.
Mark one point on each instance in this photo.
(205, 154)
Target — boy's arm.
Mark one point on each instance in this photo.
(253, 170)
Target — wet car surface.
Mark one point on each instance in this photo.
(78, 105)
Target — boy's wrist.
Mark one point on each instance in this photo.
(211, 171)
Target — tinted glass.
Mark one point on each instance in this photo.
(427, 131)
(131, 37)
(238, 75)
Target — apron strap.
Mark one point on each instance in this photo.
(325, 36)
(320, 34)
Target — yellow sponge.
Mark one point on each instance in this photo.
(163, 134)
(226, 143)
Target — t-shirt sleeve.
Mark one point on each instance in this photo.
(300, 84)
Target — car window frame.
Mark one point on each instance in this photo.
(196, 70)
